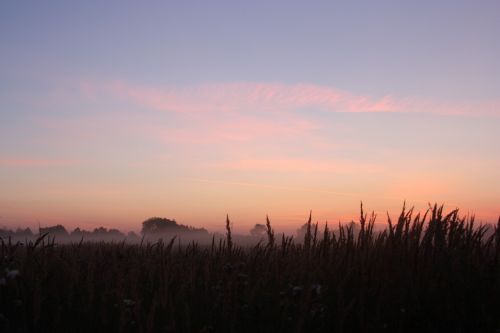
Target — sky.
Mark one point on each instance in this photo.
(113, 112)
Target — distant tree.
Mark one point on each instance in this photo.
(58, 230)
(101, 231)
(24, 232)
(132, 236)
(258, 230)
(76, 233)
(4, 232)
(115, 233)
(159, 225)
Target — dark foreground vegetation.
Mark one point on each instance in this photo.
(432, 273)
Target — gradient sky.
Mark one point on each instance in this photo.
(112, 112)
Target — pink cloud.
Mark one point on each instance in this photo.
(275, 97)
(231, 117)
(236, 112)
(228, 97)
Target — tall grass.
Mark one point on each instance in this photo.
(433, 272)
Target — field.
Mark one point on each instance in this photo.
(432, 273)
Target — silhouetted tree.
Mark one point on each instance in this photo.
(57, 230)
(76, 233)
(258, 230)
(4, 232)
(159, 225)
(132, 236)
(115, 233)
(101, 231)
(24, 232)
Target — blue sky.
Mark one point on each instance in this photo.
(444, 49)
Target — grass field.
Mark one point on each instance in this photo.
(432, 273)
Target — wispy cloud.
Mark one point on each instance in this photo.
(228, 97)
(275, 97)
(238, 112)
